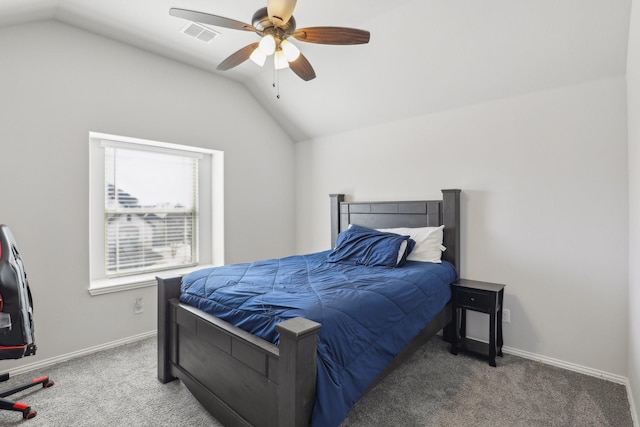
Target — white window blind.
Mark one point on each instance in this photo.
(151, 209)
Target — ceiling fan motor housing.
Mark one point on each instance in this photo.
(262, 22)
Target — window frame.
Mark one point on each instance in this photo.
(210, 248)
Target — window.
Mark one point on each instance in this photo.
(154, 207)
(151, 209)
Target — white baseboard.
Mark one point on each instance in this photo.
(58, 359)
(566, 365)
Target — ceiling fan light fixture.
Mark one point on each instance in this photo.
(291, 52)
(280, 60)
(258, 57)
(267, 45)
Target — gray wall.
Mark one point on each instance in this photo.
(57, 84)
(633, 99)
(544, 207)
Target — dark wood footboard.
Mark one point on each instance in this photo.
(240, 378)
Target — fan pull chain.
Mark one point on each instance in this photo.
(276, 81)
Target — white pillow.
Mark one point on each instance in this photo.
(428, 242)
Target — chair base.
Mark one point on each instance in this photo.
(9, 405)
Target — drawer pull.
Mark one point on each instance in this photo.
(473, 299)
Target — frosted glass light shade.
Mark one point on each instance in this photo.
(258, 57)
(280, 61)
(291, 52)
(267, 45)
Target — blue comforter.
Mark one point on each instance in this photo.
(368, 314)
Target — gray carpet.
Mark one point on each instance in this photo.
(119, 387)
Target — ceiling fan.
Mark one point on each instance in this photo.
(275, 24)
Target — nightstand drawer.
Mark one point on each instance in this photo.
(474, 300)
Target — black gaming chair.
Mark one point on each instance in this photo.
(16, 320)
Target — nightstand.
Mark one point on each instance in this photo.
(483, 297)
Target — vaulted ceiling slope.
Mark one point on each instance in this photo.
(424, 56)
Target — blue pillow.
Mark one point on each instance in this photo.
(365, 246)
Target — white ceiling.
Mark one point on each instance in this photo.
(424, 56)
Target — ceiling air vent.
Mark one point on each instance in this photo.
(200, 32)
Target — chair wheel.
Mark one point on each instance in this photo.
(29, 414)
(48, 384)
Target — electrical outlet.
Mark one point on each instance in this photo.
(506, 315)
(138, 306)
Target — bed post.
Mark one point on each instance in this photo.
(297, 371)
(451, 221)
(336, 199)
(168, 288)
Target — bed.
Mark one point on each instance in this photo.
(244, 379)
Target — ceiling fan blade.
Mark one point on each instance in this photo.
(237, 57)
(280, 11)
(332, 35)
(302, 68)
(206, 18)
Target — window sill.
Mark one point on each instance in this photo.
(127, 283)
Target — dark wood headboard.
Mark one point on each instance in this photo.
(420, 213)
